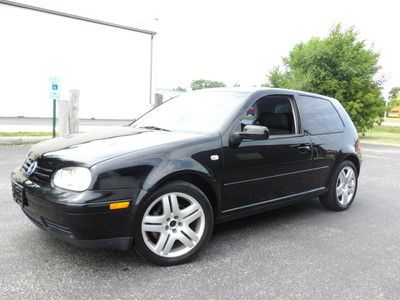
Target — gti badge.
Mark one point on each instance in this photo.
(31, 168)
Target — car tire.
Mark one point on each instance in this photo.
(342, 189)
(173, 224)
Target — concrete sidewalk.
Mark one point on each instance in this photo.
(11, 124)
(391, 124)
(22, 140)
(45, 125)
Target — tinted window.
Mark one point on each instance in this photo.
(273, 112)
(319, 115)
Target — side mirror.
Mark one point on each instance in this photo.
(255, 132)
(251, 132)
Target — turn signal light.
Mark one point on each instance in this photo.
(119, 205)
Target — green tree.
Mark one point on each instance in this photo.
(340, 66)
(179, 89)
(394, 92)
(394, 100)
(205, 84)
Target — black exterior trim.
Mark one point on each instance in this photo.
(273, 200)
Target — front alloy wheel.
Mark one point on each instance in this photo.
(175, 222)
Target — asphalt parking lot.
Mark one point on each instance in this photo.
(302, 251)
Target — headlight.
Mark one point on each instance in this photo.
(73, 178)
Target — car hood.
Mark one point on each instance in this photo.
(93, 147)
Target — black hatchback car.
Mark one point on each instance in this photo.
(204, 157)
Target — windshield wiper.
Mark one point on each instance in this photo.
(154, 128)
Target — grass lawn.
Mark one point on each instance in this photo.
(386, 135)
(24, 133)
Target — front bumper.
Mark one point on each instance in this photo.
(80, 218)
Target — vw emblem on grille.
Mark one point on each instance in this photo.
(31, 168)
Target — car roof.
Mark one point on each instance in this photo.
(264, 89)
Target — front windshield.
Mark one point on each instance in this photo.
(203, 112)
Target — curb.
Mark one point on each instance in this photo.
(379, 144)
(22, 140)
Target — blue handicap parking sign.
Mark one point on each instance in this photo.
(54, 88)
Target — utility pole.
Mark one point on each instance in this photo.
(54, 95)
(54, 117)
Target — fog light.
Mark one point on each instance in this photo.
(119, 205)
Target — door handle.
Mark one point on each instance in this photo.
(304, 148)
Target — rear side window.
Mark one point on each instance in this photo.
(319, 115)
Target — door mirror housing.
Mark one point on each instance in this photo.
(251, 132)
(255, 132)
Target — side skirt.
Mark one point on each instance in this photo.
(251, 209)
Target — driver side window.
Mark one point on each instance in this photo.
(274, 112)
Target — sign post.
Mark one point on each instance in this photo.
(54, 95)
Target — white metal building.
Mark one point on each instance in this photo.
(110, 66)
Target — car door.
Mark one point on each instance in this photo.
(261, 172)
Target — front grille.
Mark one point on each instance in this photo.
(47, 224)
(57, 228)
(37, 220)
(40, 173)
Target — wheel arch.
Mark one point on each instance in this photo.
(199, 180)
(355, 160)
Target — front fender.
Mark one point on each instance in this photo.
(178, 168)
(146, 169)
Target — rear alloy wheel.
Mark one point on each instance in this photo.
(174, 224)
(343, 187)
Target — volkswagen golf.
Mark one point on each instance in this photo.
(161, 183)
